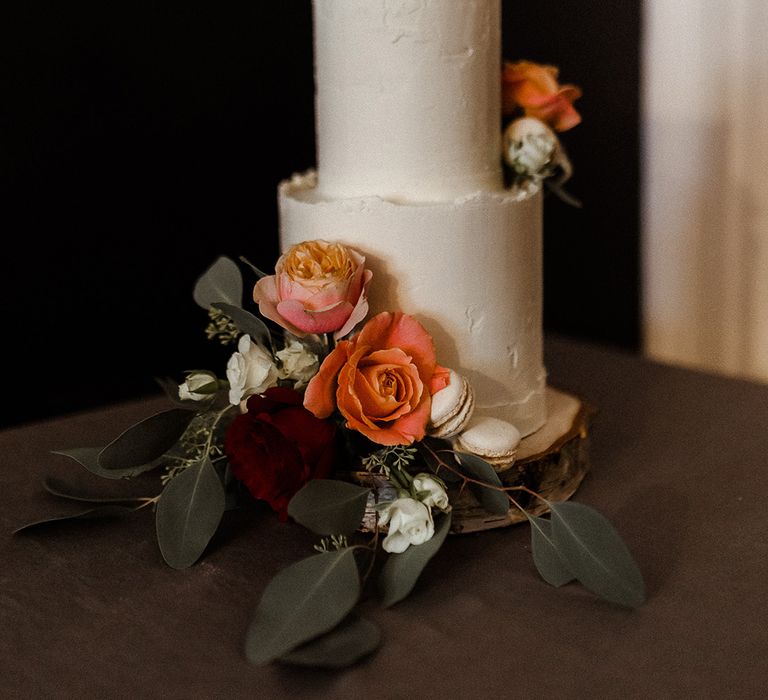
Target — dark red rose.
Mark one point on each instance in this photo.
(278, 446)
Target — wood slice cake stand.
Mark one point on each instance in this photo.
(553, 461)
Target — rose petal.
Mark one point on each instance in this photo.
(310, 321)
(359, 312)
(396, 330)
(404, 431)
(395, 543)
(440, 379)
(387, 408)
(319, 397)
(266, 296)
(347, 399)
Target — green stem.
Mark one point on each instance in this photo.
(216, 420)
(470, 480)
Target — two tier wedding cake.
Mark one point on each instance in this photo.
(408, 120)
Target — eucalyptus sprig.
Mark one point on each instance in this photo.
(332, 544)
(221, 327)
(398, 457)
(201, 440)
(576, 542)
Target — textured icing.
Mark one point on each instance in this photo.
(408, 99)
(409, 150)
(468, 269)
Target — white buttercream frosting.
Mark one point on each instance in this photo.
(409, 151)
(408, 98)
(469, 270)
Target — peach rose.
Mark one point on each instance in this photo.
(382, 380)
(535, 89)
(318, 287)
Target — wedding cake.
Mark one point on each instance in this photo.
(408, 114)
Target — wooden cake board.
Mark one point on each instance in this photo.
(552, 462)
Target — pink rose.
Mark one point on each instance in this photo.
(318, 287)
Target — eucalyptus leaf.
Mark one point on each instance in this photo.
(302, 602)
(493, 500)
(188, 514)
(401, 571)
(329, 507)
(596, 554)
(88, 457)
(146, 441)
(341, 647)
(222, 281)
(247, 323)
(59, 488)
(107, 511)
(548, 561)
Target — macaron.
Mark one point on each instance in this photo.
(492, 439)
(452, 407)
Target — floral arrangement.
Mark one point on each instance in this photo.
(348, 425)
(538, 107)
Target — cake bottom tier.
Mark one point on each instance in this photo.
(469, 270)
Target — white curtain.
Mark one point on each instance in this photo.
(705, 184)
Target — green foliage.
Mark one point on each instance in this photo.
(548, 561)
(247, 323)
(222, 281)
(146, 441)
(88, 457)
(188, 514)
(595, 553)
(256, 271)
(398, 457)
(302, 602)
(332, 543)
(401, 571)
(329, 507)
(106, 511)
(57, 487)
(201, 440)
(349, 642)
(492, 499)
(221, 327)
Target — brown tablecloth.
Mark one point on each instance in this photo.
(680, 467)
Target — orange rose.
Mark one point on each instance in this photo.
(382, 380)
(535, 89)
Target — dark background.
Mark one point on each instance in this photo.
(138, 142)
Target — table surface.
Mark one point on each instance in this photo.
(679, 466)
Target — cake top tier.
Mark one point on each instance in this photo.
(408, 98)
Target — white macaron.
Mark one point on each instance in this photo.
(495, 440)
(452, 408)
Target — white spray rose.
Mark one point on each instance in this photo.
(250, 370)
(410, 522)
(190, 389)
(533, 150)
(431, 492)
(297, 363)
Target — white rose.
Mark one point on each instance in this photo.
(533, 150)
(431, 492)
(298, 363)
(410, 522)
(250, 371)
(190, 389)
